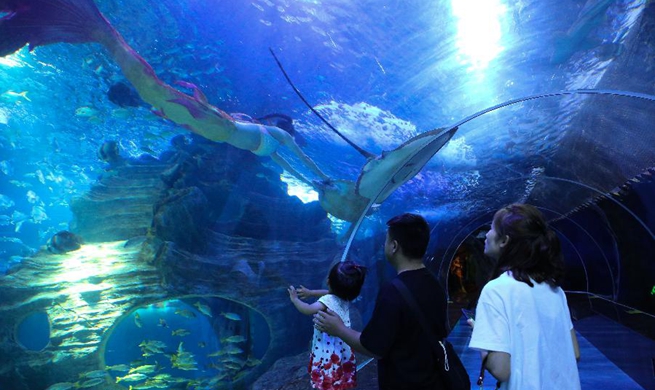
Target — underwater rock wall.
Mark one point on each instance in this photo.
(202, 220)
(119, 206)
(83, 293)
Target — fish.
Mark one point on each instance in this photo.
(62, 386)
(252, 362)
(186, 366)
(137, 320)
(94, 374)
(86, 112)
(232, 349)
(144, 369)
(153, 344)
(185, 313)
(32, 197)
(232, 316)
(180, 332)
(90, 383)
(204, 309)
(6, 168)
(149, 384)
(64, 242)
(131, 378)
(4, 117)
(21, 184)
(39, 176)
(233, 359)
(234, 339)
(18, 218)
(183, 360)
(38, 214)
(232, 366)
(14, 97)
(6, 202)
(119, 367)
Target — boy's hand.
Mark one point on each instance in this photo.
(329, 322)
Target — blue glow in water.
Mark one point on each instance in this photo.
(33, 332)
(190, 339)
(158, 322)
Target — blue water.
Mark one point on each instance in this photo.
(378, 77)
(33, 332)
(380, 72)
(179, 324)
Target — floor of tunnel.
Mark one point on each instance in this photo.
(598, 371)
(602, 366)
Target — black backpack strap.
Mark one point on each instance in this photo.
(437, 345)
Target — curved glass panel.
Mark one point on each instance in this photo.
(164, 140)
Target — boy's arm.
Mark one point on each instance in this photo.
(327, 321)
(304, 307)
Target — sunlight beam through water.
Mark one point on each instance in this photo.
(479, 30)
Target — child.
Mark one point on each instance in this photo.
(332, 362)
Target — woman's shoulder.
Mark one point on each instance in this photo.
(504, 283)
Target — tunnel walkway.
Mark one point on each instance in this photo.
(602, 364)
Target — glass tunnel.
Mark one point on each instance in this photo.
(170, 168)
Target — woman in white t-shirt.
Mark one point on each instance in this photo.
(522, 325)
(332, 364)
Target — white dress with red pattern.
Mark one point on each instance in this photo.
(331, 361)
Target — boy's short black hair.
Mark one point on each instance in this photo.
(412, 233)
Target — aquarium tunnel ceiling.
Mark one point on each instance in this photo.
(544, 102)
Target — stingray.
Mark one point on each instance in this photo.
(381, 175)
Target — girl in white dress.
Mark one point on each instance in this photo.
(332, 363)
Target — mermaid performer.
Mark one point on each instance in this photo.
(43, 22)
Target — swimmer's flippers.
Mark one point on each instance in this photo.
(44, 22)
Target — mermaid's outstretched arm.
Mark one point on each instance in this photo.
(287, 140)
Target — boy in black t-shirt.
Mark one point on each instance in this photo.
(393, 336)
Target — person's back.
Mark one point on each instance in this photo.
(408, 359)
(523, 326)
(542, 356)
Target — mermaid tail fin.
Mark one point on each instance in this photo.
(44, 22)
